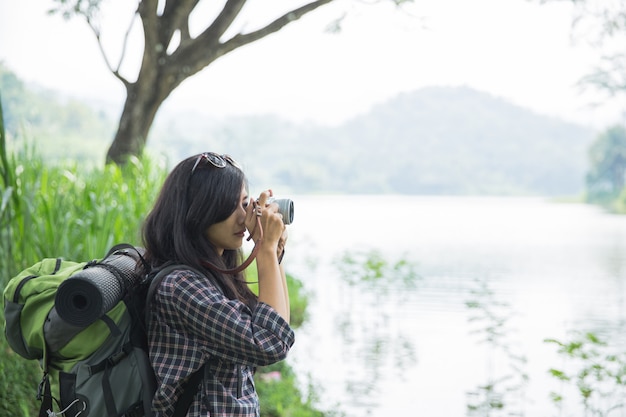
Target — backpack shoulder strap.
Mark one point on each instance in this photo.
(155, 283)
(190, 388)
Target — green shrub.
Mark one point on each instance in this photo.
(280, 396)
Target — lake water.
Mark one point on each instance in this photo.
(410, 344)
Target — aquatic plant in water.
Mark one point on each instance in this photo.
(595, 374)
(374, 288)
(371, 270)
(503, 392)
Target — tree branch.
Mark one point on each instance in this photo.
(96, 32)
(611, 77)
(125, 42)
(176, 17)
(222, 22)
(148, 12)
(244, 39)
(198, 53)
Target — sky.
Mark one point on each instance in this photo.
(517, 50)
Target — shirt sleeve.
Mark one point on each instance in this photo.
(225, 328)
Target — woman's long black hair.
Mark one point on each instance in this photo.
(175, 231)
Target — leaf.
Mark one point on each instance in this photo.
(6, 196)
(560, 375)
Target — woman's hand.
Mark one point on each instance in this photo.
(274, 230)
(280, 250)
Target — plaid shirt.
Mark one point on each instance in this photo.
(193, 323)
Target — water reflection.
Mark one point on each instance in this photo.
(503, 391)
(365, 321)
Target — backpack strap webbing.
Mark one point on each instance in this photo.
(45, 395)
(191, 387)
(122, 246)
(156, 282)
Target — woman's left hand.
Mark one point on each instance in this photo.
(280, 250)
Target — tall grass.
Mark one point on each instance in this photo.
(63, 211)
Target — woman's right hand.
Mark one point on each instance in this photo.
(271, 220)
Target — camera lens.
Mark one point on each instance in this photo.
(285, 208)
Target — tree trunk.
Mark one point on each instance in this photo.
(140, 108)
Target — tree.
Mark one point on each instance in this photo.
(603, 24)
(171, 55)
(607, 157)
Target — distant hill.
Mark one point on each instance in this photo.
(58, 127)
(461, 141)
(431, 141)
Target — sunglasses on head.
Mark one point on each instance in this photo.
(218, 161)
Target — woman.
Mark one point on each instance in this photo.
(200, 315)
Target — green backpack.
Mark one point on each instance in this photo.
(84, 322)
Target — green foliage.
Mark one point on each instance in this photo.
(596, 374)
(602, 24)
(279, 394)
(69, 8)
(298, 299)
(65, 211)
(607, 155)
(18, 380)
(17, 377)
